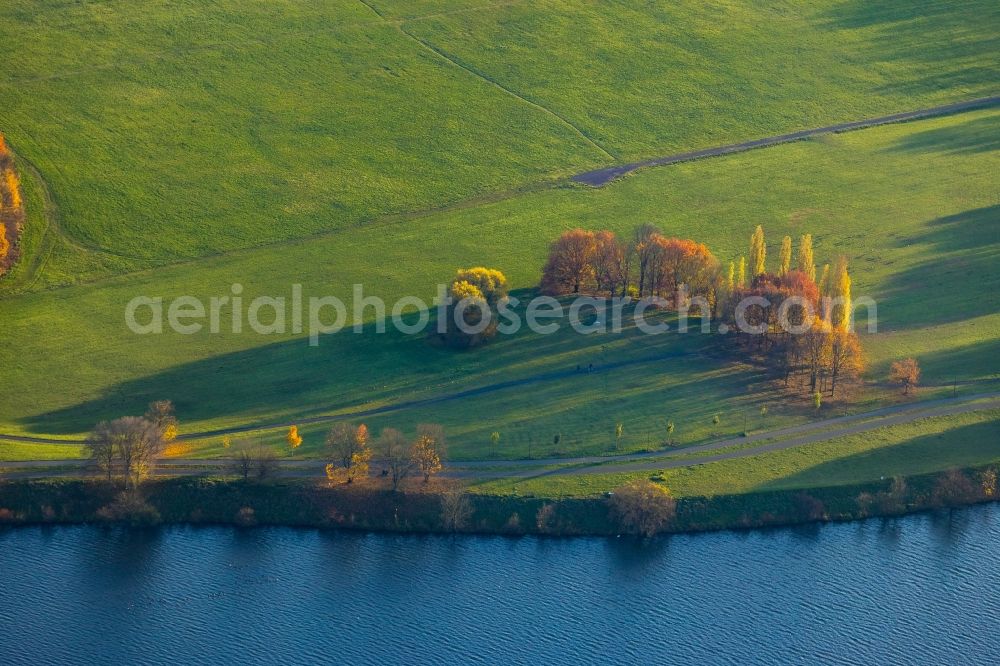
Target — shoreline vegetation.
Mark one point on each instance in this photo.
(443, 509)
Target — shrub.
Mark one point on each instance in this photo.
(954, 488)
(545, 519)
(246, 517)
(643, 507)
(129, 507)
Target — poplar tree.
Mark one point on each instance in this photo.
(824, 281)
(785, 257)
(806, 262)
(741, 279)
(731, 282)
(758, 252)
(840, 290)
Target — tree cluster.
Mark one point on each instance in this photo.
(799, 329)
(649, 264)
(126, 448)
(398, 456)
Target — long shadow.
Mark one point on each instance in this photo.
(961, 363)
(928, 35)
(980, 135)
(960, 282)
(961, 446)
(290, 379)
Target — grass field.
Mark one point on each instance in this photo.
(327, 116)
(184, 148)
(926, 445)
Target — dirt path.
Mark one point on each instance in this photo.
(774, 440)
(601, 177)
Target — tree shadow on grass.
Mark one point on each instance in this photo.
(950, 44)
(980, 135)
(290, 380)
(965, 445)
(960, 281)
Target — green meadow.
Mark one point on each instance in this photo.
(170, 148)
(168, 129)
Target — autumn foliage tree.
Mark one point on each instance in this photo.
(679, 262)
(838, 306)
(600, 263)
(428, 450)
(570, 266)
(349, 445)
(905, 373)
(293, 437)
(612, 264)
(476, 295)
(785, 256)
(795, 327)
(11, 208)
(394, 455)
(758, 252)
(4, 244)
(806, 263)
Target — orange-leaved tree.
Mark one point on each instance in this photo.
(905, 373)
(570, 266)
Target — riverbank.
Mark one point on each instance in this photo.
(308, 504)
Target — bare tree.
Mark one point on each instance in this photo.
(395, 456)
(139, 447)
(456, 510)
(255, 461)
(161, 414)
(102, 448)
(265, 463)
(130, 444)
(243, 463)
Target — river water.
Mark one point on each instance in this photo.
(919, 589)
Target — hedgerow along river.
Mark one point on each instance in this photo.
(917, 589)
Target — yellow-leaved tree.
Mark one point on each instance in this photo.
(293, 438)
(806, 262)
(840, 293)
(428, 449)
(476, 294)
(785, 256)
(758, 252)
